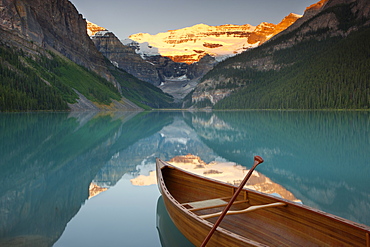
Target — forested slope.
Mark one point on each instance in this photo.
(50, 81)
(330, 74)
(322, 61)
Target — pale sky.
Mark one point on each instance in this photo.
(126, 17)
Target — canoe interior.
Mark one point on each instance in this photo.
(290, 225)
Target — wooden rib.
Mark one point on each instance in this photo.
(250, 209)
(245, 195)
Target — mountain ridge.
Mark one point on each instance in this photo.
(190, 44)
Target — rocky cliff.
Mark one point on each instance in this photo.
(125, 57)
(325, 19)
(51, 25)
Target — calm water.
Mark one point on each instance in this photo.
(49, 160)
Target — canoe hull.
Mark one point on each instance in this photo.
(290, 225)
(194, 228)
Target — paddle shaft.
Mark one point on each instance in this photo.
(257, 160)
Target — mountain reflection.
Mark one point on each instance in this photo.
(95, 190)
(48, 162)
(227, 172)
(175, 138)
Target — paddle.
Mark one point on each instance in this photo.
(257, 160)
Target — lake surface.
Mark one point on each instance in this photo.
(51, 165)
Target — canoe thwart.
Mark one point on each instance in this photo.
(249, 209)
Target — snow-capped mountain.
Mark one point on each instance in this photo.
(92, 28)
(153, 68)
(189, 45)
(176, 60)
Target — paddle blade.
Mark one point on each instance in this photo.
(258, 159)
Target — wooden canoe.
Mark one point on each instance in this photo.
(193, 201)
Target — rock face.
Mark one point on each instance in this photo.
(189, 45)
(54, 25)
(265, 31)
(125, 57)
(338, 17)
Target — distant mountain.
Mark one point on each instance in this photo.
(319, 62)
(176, 78)
(48, 62)
(189, 45)
(176, 60)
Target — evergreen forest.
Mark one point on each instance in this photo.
(50, 81)
(328, 74)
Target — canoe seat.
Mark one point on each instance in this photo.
(207, 203)
(210, 203)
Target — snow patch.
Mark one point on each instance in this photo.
(102, 33)
(181, 78)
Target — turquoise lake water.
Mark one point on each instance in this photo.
(48, 162)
